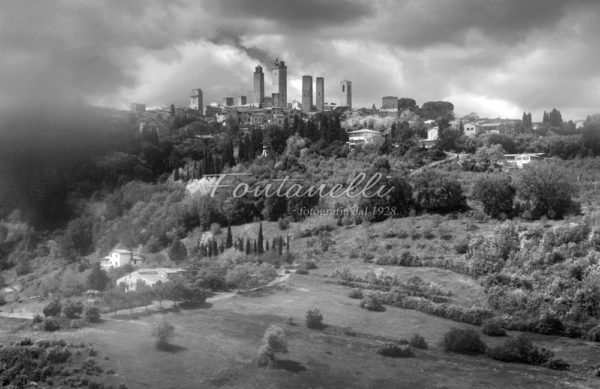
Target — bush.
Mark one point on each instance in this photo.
(265, 356)
(38, 319)
(464, 341)
(356, 293)
(92, 314)
(274, 337)
(546, 190)
(418, 341)
(593, 334)
(51, 324)
(556, 364)
(53, 309)
(301, 269)
(283, 224)
(372, 302)
(550, 325)
(462, 246)
(519, 349)
(163, 331)
(390, 349)
(314, 319)
(436, 193)
(493, 327)
(72, 310)
(496, 194)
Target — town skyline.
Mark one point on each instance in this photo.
(495, 60)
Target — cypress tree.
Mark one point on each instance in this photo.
(229, 242)
(274, 244)
(280, 246)
(210, 250)
(247, 246)
(287, 244)
(215, 247)
(267, 245)
(222, 247)
(255, 247)
(176, 174)
(260, 239)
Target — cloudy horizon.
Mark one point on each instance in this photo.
(497, 59)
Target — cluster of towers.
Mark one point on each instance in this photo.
(279, 96)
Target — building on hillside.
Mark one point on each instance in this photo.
(241, 100)
(346, 94)
(520, 160)
(493, 128)
(320, 94)
(196, 102)
(307, 94)
(470, 129)
(389, 102)
(148, 277)
(432, 137)
(118, 258)
(228, 101)
(364, 136)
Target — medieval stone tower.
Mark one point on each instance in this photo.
(307, 94)
(259, 86)
(196, 101)
(346, 94)
(320, 94)
(280, 82)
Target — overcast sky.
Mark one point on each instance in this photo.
(496, 58)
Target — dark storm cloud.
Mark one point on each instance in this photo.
(304, 14)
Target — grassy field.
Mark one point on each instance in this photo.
(216, 346)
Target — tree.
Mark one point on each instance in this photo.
(496, 193)
(229, 240)
(261, 248)
(274, 341)
(177, 251)
(53, 309)
(78, 238)
(546, 190)
(435, 193)
(163, 331)
(98, 278)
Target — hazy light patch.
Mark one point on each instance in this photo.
(484, 106)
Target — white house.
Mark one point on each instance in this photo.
(364, 136)
(147, 276)
(432, 136)
(520, 160)
(470, 129)
(118, 258)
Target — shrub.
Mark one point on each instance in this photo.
(462, 246)
(72, 310)
(496, 194)
(265, 356)
(356, 293)
(465, 341)
(436, 193)
(550, 325)
(92, 314)
(372, 302)
(38, 319)
(53, 309)
(51, 324)
(163, 331)
(556, 364)
(546, 190)
(274, 337)
(314, 319)
(593, 334)
(418, 341)
(301, 269)
(57, 354)
(519, 349)
(390, 349)
(493, 327)
(283, 224)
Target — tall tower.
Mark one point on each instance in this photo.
(346, 90)
(307, 94)
(259, 86)
(196, 101)
(280, 82)
(320, 94)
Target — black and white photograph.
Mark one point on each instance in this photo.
(299, 194)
